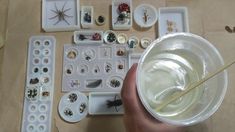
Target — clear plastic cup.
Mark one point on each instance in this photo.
(171, 63)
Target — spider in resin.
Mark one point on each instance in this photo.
(60, 14)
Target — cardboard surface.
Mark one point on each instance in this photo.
(206, 18)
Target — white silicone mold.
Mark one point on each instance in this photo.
(39, 85)
(60, 15)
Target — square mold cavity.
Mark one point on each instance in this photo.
(107, 103)
(172, 19)
(60, 15)
(87, 13)
(88, 37)
(115, 14)
(134, 58)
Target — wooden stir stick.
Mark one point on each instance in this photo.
(193, 86)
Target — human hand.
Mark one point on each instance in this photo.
(136, 118)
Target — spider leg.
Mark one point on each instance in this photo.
(116, 109)
(54, 17)
(67, 10)
(64, 6)
(56, 7)
(56, 22)
(67, 15)
(54, 11)
(66, 21)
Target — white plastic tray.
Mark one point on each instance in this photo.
(51, 20)
(90, 11)
(94, 68)
(108, 103)
(88, 34)
(117, 26)
(134, 58)
(175, 16)
(39, 88)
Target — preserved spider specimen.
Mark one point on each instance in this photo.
(114, 103)
(60, 14)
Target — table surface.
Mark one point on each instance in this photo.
(22, 19)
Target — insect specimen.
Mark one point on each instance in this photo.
(45, 93)
(94, 84)
(82, 107)
(146, 16)
(123, 13)
(45, 79)
(171, 26)
(100, 20)
(73, 97)
(120, 66)
(35, 70)
(45, 69)
(61, 14)
(72, 54)
(111, 37)
(115, 83)
(34, 81)
(108, 68)
(74, 83)
(32, 93)
(120, 52)
(68, 112)
(228, 29)
(87, 17)
(114, 103)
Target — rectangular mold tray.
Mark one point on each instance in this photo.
(94, 68)
(134, 58)
(115, 14)
(51, 21)
(39, 88)
(88, 37)
(108, 103)
(85, 12)
(172, 19)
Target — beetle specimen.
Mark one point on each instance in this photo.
(34, 81)
(82, 107)
(115, 83)
(60, 14)
(32, 93)
(45, 93)
(68, 112)
(108, 68)
(114, 103)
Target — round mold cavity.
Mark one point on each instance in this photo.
(45, 70)
(35, 69)
(96, 69)
(72, 97)
(46, 52)
(46, 61)
(42, 117)
(145, 42)
(37, 43)
(42, 108)
(46, 43)
(45, 79)
(69, 69)
(36, 61)
(83, 69)
(31, 117)
(89, 54)
(110, 37)
(31, 128)
(32, 108)
(36, 52)
(115, 82)
(122, 38)
(71, 54)
(77, 111)
(133, 42)
(41, 128)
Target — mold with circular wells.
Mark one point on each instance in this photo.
(69, 69)
(41, 128)
(88, 54)
(72, 54)
(115, 82)
(42, 107)
(31, 128)
(83, 69)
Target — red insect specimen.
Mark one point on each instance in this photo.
(124, 7)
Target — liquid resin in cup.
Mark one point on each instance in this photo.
(170, 65)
